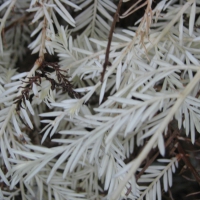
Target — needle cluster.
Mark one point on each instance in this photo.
(104, 119)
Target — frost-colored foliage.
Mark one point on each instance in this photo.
(95, 126)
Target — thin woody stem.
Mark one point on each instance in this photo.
(129, 11)
(116, 17)
(168, 142)
(41, 53)
(188, 163)
(20, 20)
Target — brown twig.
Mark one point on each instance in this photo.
(116, 17)
(194, 193)
(188, 179)
(170, 194)
(188, 163)
(188, 140)
(147, 165)
(130, 11)
(168, 142)
(19, 20)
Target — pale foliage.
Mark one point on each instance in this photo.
(154, 77)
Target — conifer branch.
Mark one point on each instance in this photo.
(3, 21)
(136, 162)
(103, 127)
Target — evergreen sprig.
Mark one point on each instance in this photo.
(116, 111)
